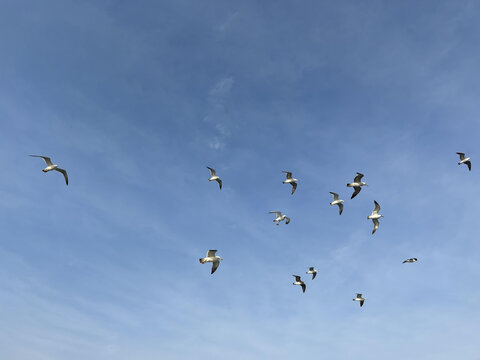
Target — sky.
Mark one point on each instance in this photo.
(136, 98)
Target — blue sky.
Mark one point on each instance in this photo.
(134, 99)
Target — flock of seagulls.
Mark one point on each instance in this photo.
(279, 217)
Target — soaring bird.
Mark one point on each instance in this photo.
(374, 216)
(298, 281)
(279, 217)
(311, 270)
(464, 160)
(356, 184)
(290, 180)
(211, 257)
(214, 177)
(359, 298)
(412, 260)
(51, 167)
(337, 201)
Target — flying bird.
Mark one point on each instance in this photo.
(290, 180)
(298, 281)
(464, 160)
(51, 167)
(279, 217)
(214, 177)
(356, 184)
(412, 260)
(374, 216)
(337, 201)
(359, 298)
(211, 257)
(311, 270)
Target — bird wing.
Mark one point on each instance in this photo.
(297, 278)
(211, 253)
(219, 183)
(313, 276)
(377, 207)
(278, 213)
(405, 261)
(469, 164)
(358, 178)
(289, 174)
(361, 302)
(46, 158)
(340, 208)
(357, 190)
(359, 296)
(294, 187)
(212, 171)
(287, 220)
(64, 172)
(462, 155)
(215, 266)
(375, 225)
(311, 268)
(304, 287)
(335, 196)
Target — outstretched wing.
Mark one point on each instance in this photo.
(313, 276)
(377, 207)
(340, 208)
(212, 171)
(335, 196)
(64, 172)
(375, 225)
(358, 178)
(215, 266)
(46, 158)
(359, 296)
(211, 253)
(219, 183)
(287, 220)
(361, 302)
(304, 287)
(297, 278)
(462, 155)
(469, 164)
(357, 190)
(294, 187)
(277, 213)
(289, 174)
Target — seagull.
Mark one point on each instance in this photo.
(311, 270)
(375, 216)
(359, 298)
(290, 181)
(214, 177)
(298, 281)
(211, 257)
(338, 202)
(280, 217)
(464, 160)
(357, 183)
(51, 167)
(412, 260)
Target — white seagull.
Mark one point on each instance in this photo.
(359, 298)
(280, 217)
(214, 177)
(356, 184)
(298, 281)
(51, 167)
(464, 160)
(290, 180)
(374, 216)
(412, 260)
(311, 270)
(211, 257)
(337, 201)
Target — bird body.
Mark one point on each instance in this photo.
(211, 257)
(357, 184)
(298, 281)
(51, 167)
(279, 217)
(464, 160)
(312, 271)
(337, 201)
(412, 260)
(374, 216)
(214, 177)
(359, 298)
(290, 180)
